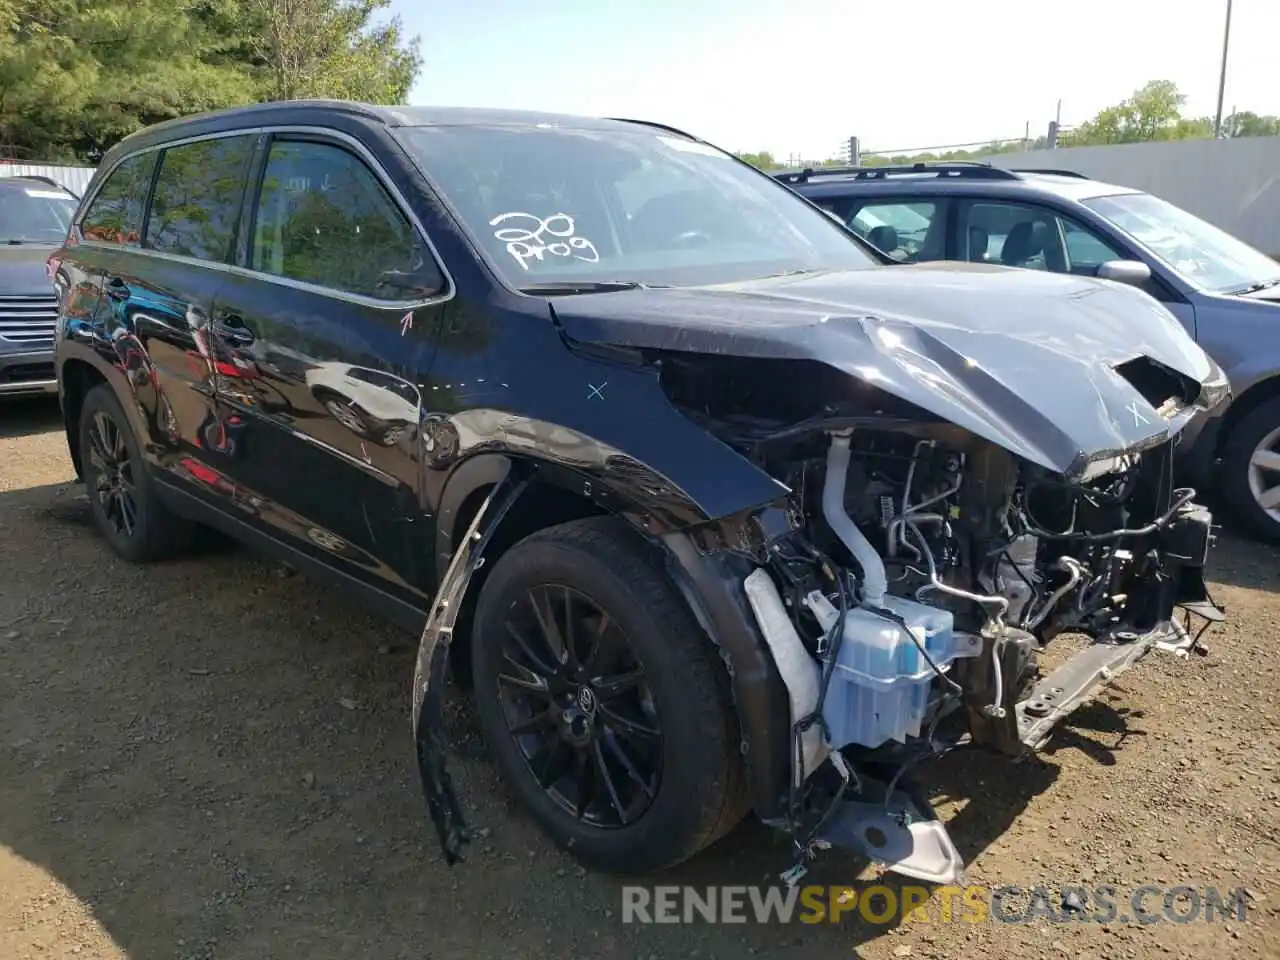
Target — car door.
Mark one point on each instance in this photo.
(1038, 237)
(334, 304)
(159, 281)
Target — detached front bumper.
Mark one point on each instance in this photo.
(1077, 681)
(1197, 451)
(27, 372)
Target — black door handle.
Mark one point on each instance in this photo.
(117, 289)
(233, 331)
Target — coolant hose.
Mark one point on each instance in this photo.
(875, 583)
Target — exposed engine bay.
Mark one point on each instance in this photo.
(910, 517)
(926, 573)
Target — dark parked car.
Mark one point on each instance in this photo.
(1224, 292)
(34, 216)
(710, 509)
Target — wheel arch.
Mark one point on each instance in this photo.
(542, 504)
(1258, 393)
(708, 580)
(77, 377)
(322, 393)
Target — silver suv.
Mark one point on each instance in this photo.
(1223, 291)
(34, 216)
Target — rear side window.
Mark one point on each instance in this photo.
(197, 197)
(323, 218)
(115, 215)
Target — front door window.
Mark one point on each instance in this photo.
(1033, 237)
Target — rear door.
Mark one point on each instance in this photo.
(160, 298)
(336, 302)
(159, 279)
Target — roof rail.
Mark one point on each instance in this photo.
(1052, 172)
(965, 169)
(41, 178)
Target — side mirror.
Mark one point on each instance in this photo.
(422, 281)
(1133, 272)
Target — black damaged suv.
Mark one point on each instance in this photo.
(709, 510)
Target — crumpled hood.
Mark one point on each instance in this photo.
(1024, 359)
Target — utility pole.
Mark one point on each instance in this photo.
(1222, 76)
(1054, 126)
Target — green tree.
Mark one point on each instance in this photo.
(332, 48)
(1246, 123)
(1152, 113)
(762, 160)
(78, 75)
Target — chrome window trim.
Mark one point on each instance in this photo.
(338, 137)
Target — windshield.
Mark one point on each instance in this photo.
(1197, 251)
(34, 214)
(563, 206)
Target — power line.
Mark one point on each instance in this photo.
(945, 146)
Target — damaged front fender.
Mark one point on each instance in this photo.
(709, 575)
(433, 657)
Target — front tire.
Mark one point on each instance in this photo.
(1251, 471)
(620, 742)
(122, 494)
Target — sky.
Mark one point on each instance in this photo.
(800, 77)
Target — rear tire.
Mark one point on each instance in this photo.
(122, 495)
(1248, 472)
(595, 573)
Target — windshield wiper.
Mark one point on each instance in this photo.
(556, 288)
(1255, 287)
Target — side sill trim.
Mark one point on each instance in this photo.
(404, 615)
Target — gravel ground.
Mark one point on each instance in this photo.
(211, 759)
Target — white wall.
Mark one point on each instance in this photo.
(1234, 184)
(75, 179)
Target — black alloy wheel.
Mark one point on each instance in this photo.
(576, 699)
(122, 495)
(113, 474)
(604, 704)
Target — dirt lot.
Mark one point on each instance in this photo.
(210, 759)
